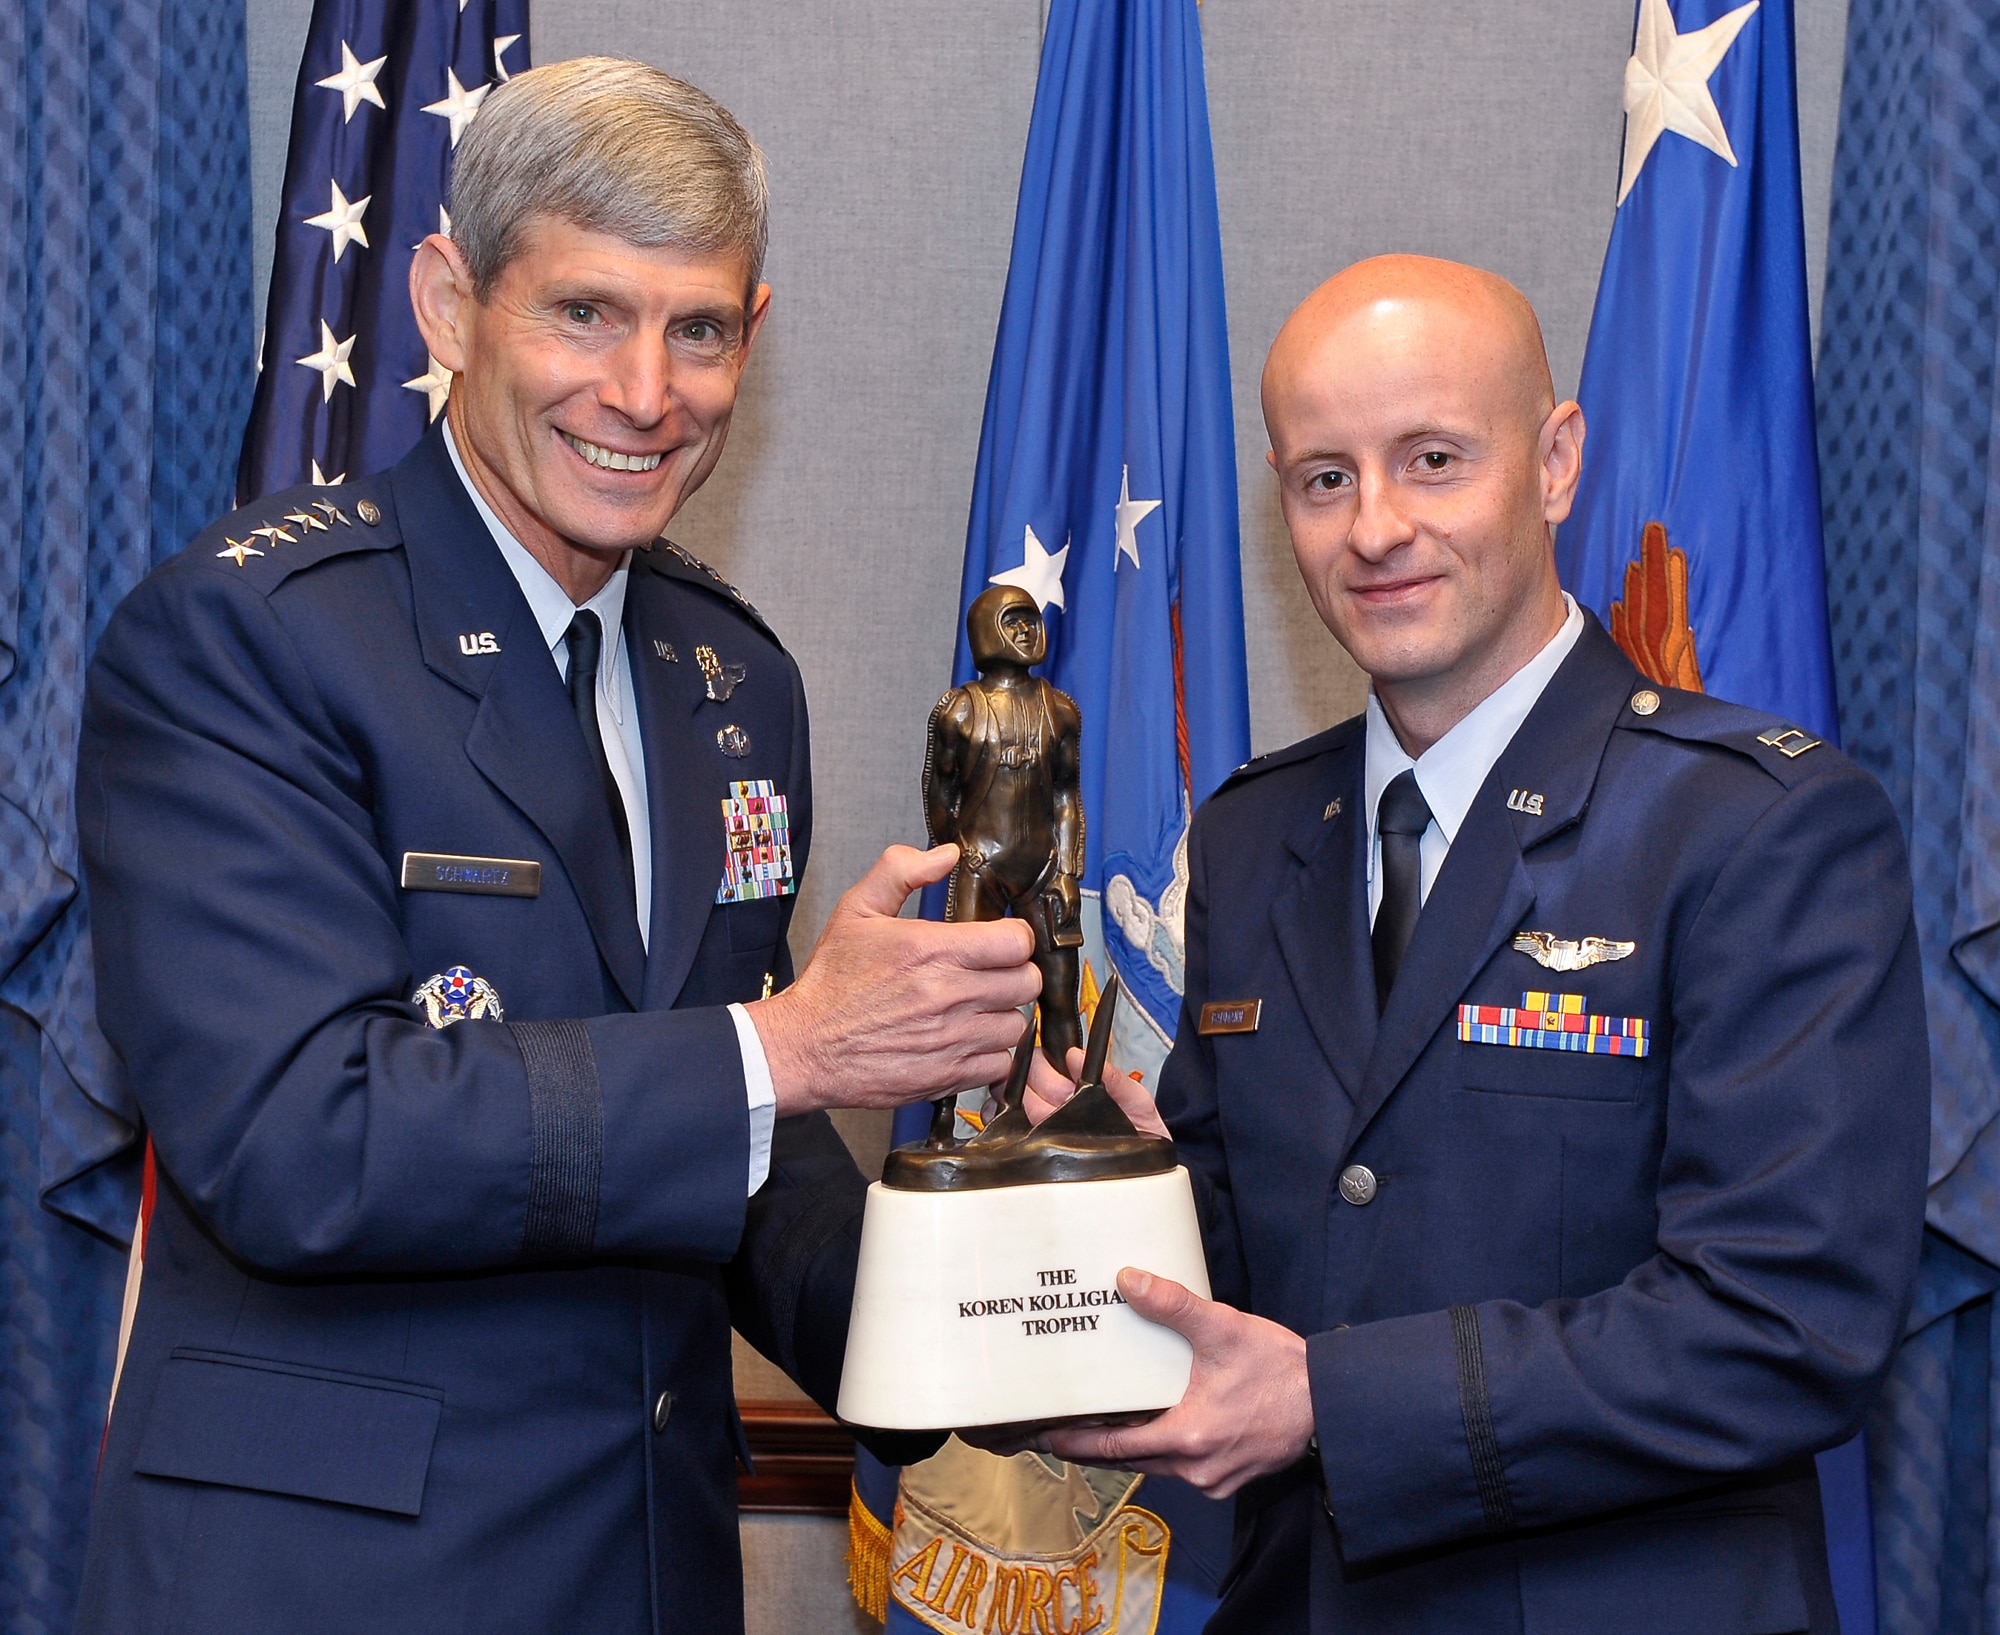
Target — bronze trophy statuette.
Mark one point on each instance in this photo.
(1002, 782)
(984, 1294)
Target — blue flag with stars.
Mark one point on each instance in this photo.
(1106, 488)
(386, 89)
(1106, 482)
(1696, 530)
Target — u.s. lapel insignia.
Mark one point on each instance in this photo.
(1332, 810)
(733, 741)
(477, 643)
(1525, 800)
(1546, 948)
(718, 680)
(757, 827)
(1554, 1021)
(665, 651)
(457, 995)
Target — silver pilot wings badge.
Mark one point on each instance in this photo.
(1546, 948)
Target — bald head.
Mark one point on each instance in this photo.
(1480, 318)
(1423, 464)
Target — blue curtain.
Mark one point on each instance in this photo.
(126, 345)
(1910, 451)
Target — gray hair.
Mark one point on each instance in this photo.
(610, 146)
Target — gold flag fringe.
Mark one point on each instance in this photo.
(867, 1558)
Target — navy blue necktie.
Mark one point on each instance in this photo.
(1401, 819)
(585, 639)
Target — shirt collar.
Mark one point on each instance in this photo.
(547, 600)
(1450, 772)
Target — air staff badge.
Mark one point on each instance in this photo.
(457, 995)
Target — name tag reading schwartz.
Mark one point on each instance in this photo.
(1230, 1016)
(483, 876)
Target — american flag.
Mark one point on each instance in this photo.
(386, 89)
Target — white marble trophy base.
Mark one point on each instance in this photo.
(999, 1307)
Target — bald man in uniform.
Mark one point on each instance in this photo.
(1564, 1195)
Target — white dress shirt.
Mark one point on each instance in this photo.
(618, 724)
(1450, 772)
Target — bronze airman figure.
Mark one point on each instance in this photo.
(1003, 782)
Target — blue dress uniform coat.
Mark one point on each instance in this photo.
(1571, 1353)
(434, 1331)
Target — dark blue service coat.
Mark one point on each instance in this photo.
(434, 1330)
(1571, 1359)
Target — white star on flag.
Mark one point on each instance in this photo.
(322, 480)
(343, 221)
(435, 383)
(331, 361)
(1131, 513)
(355, 82)
(1040, 573)
(500, 44)
(458, 105)
(1666, 85)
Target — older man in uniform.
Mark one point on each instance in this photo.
(441, 830)
(1553, 1063)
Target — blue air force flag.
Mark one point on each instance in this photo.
(386, 89)
(1105, 488)
(1106, 482)
(1696, 533)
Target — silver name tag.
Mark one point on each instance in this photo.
(483, 876)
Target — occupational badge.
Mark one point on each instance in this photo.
(457, 996)
(718, 680)
(758, 831)
(1546, 948)
(1554, 1021)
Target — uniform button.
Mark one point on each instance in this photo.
(369, 512)
(1357, 1184)
(1645, 701)
(663, 1410)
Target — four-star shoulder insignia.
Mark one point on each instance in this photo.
(687, 558)
(265, 534)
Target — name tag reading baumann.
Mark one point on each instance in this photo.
(482, 876)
